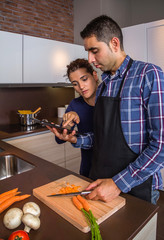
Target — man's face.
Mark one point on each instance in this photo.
(100, 54)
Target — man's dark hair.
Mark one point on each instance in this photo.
(79, 63)
(104, 29)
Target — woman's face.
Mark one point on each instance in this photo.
(84, 83)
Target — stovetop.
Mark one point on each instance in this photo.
(13, 128)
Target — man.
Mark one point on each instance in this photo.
(128, 120)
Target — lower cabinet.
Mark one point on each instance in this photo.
(72, 157)
(44, 146)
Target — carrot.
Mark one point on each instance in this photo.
(10, 201)
(8, 192)
(84, 203)
(69, 189)
(2, 199)
(77, 203)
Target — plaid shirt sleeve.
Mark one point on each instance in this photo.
(84, 141)
(151, 159)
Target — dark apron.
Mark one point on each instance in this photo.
(111, 152)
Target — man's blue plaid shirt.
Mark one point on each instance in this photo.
(142, 119)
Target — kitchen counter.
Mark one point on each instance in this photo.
(135, 219)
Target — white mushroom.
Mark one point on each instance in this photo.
(30, 221)
(31, 207)
(12, 218)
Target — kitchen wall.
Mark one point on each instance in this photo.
(126, 13)
(48, 98)
(51, 19)
(61, 20)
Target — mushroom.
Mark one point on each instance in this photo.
(30, 221)
(31, 207)
(12, 218)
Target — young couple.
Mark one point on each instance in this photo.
(128, 126)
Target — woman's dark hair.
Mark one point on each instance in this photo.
(104, 29)
(79, 63)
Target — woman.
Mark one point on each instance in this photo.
(80, 110)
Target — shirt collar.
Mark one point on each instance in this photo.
(106, 76)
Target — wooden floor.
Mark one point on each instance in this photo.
(160, 223)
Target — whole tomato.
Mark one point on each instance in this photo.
(19, 235)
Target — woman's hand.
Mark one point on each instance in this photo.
(65, 136)
(70, 118)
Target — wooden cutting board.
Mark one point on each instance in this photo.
(63, 205)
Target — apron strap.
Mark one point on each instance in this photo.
(128, 67)
(118, 94)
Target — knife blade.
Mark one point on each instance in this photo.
(69, 194)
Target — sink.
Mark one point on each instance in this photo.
(11, 165)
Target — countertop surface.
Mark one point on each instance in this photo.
(124, 224)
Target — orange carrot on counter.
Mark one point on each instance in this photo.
(10, 201)
(4, 198)
(8, 192)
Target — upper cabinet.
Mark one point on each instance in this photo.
(155, 43)
(10, 58)
(32, 60)
(45, 60)
(134, 41)
(145, 42)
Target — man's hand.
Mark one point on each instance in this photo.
(70, 118)
(103, 189)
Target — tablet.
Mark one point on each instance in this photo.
(58, 127)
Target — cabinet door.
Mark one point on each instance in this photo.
(42, 145)
(155, 45)
(10, 58)
(134, 39)
(72, 157)
(45, 60)
(80, 52)
(38, 60)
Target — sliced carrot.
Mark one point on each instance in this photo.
(2, 199)
(8, 192)
(84, 203)
(10, 201)
(77, 203)
(69, 189)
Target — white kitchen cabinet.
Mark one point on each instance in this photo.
(41, 145)
(145, 42)
(10, 58)
(26, 59)
(44, 146)
(72, 157)
(45, 60)
(134, 40)
(155, 43)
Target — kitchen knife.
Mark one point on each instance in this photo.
(70, 194)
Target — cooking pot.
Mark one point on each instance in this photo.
(26, 117)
